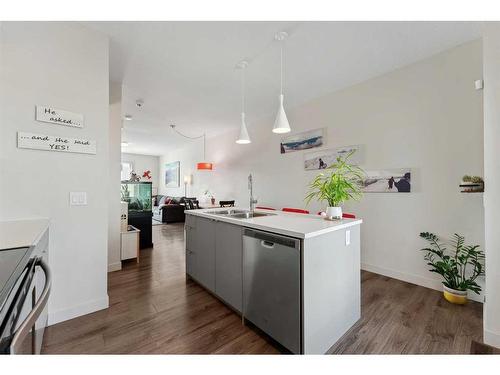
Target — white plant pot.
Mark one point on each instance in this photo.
(334, 212)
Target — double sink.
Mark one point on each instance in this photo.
(239, 214)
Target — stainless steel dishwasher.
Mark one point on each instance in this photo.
(271, 285)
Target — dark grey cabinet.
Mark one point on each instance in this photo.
(228, 263)
(190, 240)
(214, 251)
(200, 250)
(205, 252)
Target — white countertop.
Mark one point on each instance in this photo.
(286, 223)
(21, 233)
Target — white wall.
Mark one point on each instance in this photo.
(115, 123)
(491, 57)
(426, 116)
(66, 66)
(143, 163)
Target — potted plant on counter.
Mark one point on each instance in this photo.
(340, 183)
(459, 267)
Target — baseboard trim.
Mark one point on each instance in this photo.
(114, 267)
(414, 279)
(492, 338)
(74, 312)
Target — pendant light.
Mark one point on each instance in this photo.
(281, 124)
(243, 138)
(204, 165)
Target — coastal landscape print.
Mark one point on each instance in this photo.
(324, 158)
(172, 174)
(302, 141)
(387, 181)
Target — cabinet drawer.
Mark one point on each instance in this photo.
(129, 245)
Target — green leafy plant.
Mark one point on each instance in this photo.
(460, 267)
(344, 182)
(473, 179)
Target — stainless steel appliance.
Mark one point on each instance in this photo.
(24, 291)
(271, 286)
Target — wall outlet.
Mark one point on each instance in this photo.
(77, 198)
(347, 237)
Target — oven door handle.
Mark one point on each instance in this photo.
(30, 320)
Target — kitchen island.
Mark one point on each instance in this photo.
(294, 276)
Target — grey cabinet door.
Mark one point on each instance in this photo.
(190, 230)
(205, 252)
(228, 258)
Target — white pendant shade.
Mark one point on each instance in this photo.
(244, 137)
(281, 124)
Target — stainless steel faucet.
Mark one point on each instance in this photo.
(250, 187)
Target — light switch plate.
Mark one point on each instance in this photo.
(347, 237)
(77, 198)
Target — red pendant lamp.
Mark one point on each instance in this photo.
(203, 165)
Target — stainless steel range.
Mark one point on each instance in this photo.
(24, 291)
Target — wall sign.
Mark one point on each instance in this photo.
(59, 116)
(54, 143)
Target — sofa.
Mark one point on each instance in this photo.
(169, 209)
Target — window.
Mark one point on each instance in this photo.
(127, 167)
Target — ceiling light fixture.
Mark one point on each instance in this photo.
(281, 124)
(127, 117)
(243, 138)
(204, 165)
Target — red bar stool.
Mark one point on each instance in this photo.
(295, 210)
(265, 208)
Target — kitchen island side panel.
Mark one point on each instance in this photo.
(331, 288)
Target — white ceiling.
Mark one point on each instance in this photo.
(185, 71)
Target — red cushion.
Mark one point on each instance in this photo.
(265, 208)
(296, 210)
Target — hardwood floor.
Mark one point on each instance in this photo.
(154, 309)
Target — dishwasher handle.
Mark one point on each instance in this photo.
(269, 240)
(267, 244)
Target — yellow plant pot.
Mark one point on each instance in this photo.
(458, 297)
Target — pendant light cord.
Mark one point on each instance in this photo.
(188, 137)
(243, 90)
(281, 67)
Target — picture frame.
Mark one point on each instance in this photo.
(172, 174)
(303, 141)
(323, 158)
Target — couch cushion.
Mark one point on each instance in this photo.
(157, 199)
(175, 200)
